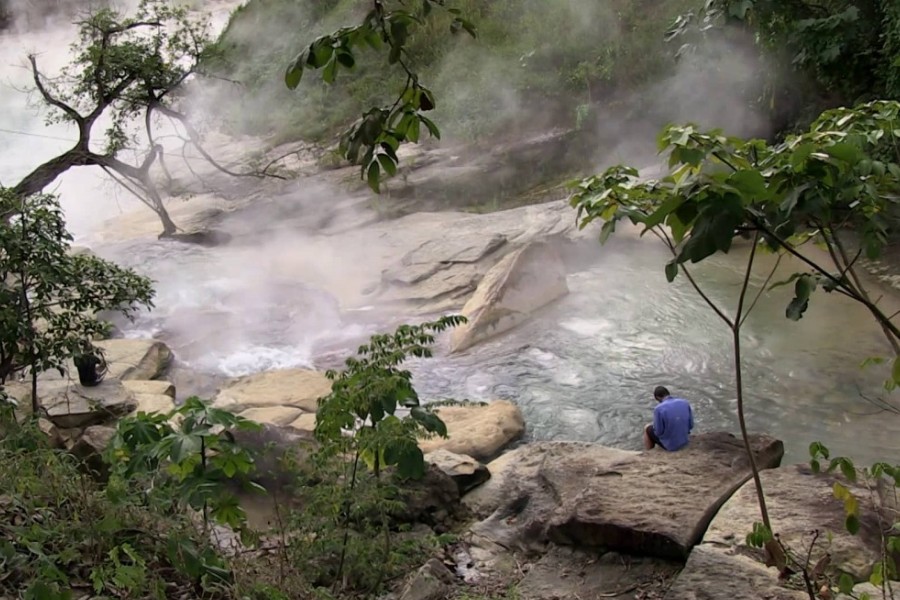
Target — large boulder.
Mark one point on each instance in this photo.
(433, 581)
(480, 431)
(296, 388)
(467, 472)
(70, 405)
(652, 503)
(157, 396)
(711, 574)
(280, 455)
(446, 254)
(800, 501)
(524, 281)
(90, 447)
(135, 359)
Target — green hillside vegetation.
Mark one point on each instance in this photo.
(532, 62)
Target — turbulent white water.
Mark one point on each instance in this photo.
(582, 369)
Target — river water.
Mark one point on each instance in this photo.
(582, 368)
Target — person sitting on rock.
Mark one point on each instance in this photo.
(673, 421)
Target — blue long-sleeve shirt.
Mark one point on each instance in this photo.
(673, 421)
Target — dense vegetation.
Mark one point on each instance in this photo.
(533, 62)
(823, 54)
(162, 518)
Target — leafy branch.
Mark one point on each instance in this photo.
(372, 142)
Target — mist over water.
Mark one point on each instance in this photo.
(581, 369)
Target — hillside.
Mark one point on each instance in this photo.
(534, 64)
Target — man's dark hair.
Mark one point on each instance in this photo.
(660, 392)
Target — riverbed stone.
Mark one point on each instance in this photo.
(71, 405)
(281, 454)
(305, 422)
(433, 581)
(156, 387)
(467, 472)
(712, 574)
(441, 253)
(297, 388)
(521, 283)
(799, 502)
(890, 591)
(54, 438)
(140, 359)
(90, 446)
(565, 572)
(651, 503)
(274, 415)
(480, 431)
(153, 403)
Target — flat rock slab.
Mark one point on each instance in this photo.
(274, 415)
(523, 282)
(153, 388)
(713, 574)
(564, 573)
(135, 359)
(297, 388)
(651, 503)
(799, 502)
(480, 431)
(70, 405)
(154, 403)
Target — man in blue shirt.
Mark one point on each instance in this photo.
(673, 421)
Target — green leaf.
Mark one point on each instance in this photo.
(429, 420)
(671, 271)
(373, 175)
(895, 371)
(804, 286)
(387, 164)
(294, 74)
(664, 210)
(751, 184)
(845, 584)
(329, 74)
(346, 59)
(432, 128)
(852, 524)
(877, 576)
(846, 152)
(848, 469)
(608, 228)
(412, 131)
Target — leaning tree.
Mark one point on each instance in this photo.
(126, 69)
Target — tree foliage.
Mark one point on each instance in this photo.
(125, 68)
(366, 396)
(851, 48)
(373, 140)
(64, 534)
(187, 457)
(49, 298)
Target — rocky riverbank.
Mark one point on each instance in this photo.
(549, 519)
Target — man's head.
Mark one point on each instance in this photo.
(660, 393)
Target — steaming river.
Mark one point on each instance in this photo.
(583, 368)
